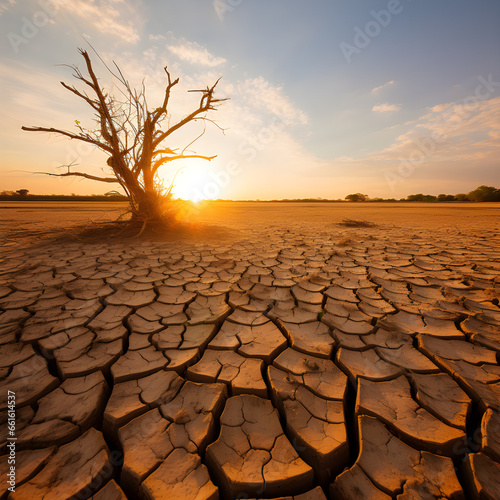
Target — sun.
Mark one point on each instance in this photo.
(192, 183)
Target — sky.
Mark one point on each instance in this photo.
(327, 97)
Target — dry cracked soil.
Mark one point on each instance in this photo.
(289, 357)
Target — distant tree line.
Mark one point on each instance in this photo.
(480, 194)
(23, 195)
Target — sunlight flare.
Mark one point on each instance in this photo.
(192, 183)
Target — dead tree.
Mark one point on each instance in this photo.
(133, 137)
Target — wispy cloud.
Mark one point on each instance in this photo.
(262, 95)
(376, 90)
(461, 134)
(5, 5)
(157, 38)
(195, 54)
(104, 16)
(36, 101)
(386, 108)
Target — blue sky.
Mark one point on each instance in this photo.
(385, 97)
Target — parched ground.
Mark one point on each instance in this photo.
(268, 352)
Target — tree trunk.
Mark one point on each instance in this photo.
(150, 208)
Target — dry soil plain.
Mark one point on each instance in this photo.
(274, 353)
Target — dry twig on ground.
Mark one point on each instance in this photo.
(356, 223)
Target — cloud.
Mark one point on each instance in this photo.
(195, 54)
(376, 90)
(452, 131)
(386, 108)
(5, 5)
(157, 37)
(262, 95)
(104, 17)
(34, 99)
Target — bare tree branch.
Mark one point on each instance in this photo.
(158, 163)
(70, 135)
(81, 174)
(206, 104)
(163, 109)
(85, 97)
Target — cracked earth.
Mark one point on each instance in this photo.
(302, 361)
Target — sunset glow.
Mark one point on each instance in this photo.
(338, 97)
(191, 181)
